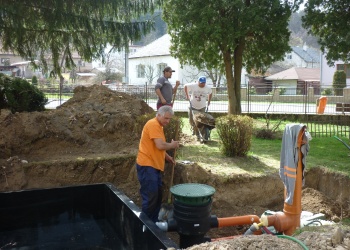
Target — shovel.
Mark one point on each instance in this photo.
(167, 210)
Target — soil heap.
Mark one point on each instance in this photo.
(95, 121)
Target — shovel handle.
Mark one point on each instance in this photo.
(173, 165)
(174, 95)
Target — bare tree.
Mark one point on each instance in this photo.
(150, 73)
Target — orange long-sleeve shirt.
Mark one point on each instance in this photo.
(149, 154)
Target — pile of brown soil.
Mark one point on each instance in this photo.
(96, 121)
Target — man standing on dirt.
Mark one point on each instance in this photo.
(164, 90)
(150, 161)
(197, 94)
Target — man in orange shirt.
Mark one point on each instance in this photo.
(150, 161)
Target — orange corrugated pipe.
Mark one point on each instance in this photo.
(237, 220)
(288, 221)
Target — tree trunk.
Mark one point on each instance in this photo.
(233, 77)
(61, 87)
(238, 61)
(230, 83)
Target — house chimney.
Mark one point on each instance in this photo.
(305, 47)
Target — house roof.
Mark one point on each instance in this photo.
(300, 74)
(86, 74)
(309, 55)
(159, 47)
(24, 63)
(103, 69)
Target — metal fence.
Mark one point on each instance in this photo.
(318, 105)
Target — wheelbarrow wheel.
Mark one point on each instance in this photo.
(207, 133)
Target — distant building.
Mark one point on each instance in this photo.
(304, 57)
(327, 72)
(147, 64)
(297, 80)
(21, 67)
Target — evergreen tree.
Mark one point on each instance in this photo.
(339, 82)
(36, 29)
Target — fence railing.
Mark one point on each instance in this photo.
(260, 99)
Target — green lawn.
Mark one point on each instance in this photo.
(264, 155)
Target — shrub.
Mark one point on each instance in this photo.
(282, 91)
(34, 80)
(141, 121)
(265, 134)
(327, 92)
(339, 82)
(235, 133)
(19, 95)
(252, 90)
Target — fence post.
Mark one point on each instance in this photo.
(310, 97)
(346, 94)
(146, 96)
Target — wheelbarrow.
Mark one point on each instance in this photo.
(203, 123)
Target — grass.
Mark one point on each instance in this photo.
(264, 155)
(56, 96)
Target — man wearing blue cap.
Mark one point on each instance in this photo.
(199, 96)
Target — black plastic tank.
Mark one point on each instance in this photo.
(95, 216)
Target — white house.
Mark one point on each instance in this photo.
(303, 57)
(295, 79)
(147, 64)
(327, 71)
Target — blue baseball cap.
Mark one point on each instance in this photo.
(202, 79)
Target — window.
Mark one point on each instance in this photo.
(289, 56)
(346, 68)
(140, 71)
(160, 68)
(5, 61)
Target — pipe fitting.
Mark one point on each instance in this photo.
(253, 228)
(282, 222)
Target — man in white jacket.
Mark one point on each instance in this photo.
(199, 96)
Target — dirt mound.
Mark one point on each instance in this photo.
(96, 121)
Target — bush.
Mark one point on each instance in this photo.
(327, 92)
(235, 133)
(265, 134)
(339, 82)
(282, 91)
(19, 95)
(34, 80)
(252, 90)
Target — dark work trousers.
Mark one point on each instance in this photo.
(190, 115)
(161, 104)
(151, 190)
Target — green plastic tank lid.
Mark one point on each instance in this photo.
(193, 190)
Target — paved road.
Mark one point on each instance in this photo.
(254, 107)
